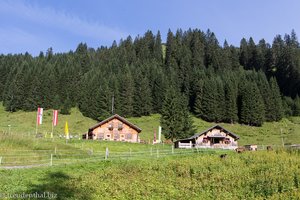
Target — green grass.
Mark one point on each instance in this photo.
(23, 124)
(127, 174)
(148, 125)
(251, 175)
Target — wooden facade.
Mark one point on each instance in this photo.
(251, 147)
(214, 137)
(114, 128)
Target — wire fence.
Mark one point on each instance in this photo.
(54, 157)
(35, 158)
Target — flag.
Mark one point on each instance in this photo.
(39, 117)
(55, 117)
(67, 131)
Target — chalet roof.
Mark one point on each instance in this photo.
(119, 118)
(236, 137)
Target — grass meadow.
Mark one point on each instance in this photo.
(24, 123)
(251, 175)
(79, 169)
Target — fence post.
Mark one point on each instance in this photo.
(0, 160)
(55, 150)
(51, 159)
(151, 151)
(157, 153)
(172, 149)
(106, 153)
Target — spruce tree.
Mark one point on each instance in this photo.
(157, 51)
(296, 110)
(287, 106)
(126, 91)
(252, 106)
(158, 91)
(188, 126)
(209, 101)
(220, 101)
(198, 98)
(142, 96)
(266, 93)
(212, 51)
(103, 100)
(244, 57)
(15, 94)
(175, 119)
(66, 106)
(197, 49)
(277, 111)
(231, 110)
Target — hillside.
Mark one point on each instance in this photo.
(252, 175)
(216, 82)
(23, 123)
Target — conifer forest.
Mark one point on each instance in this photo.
(190, 73)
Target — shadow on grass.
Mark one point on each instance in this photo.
(58, 185)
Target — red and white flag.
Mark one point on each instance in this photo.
(55, 117)
(39, 118)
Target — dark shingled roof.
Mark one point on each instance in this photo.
(119, 118)
(236, 137)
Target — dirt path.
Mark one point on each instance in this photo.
(23, 166)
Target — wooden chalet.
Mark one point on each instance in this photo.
(214, 137)
(114, 128)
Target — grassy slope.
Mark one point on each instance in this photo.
(25, 122)
(252, 175)
(270, 133)
(259, 175)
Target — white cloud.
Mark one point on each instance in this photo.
(53, 21)
(14, 40)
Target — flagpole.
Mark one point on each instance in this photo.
(52, 131)
(36, 128)
(36, 121)
(39, 118)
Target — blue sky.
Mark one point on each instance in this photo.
(35, 25)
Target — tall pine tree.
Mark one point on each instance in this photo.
(175, 119)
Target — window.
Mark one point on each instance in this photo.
(100, 136)
(111, 126)
(205, 140)
(120, 126)
(227, 141)
(216, 140)
(122, 137)
(128, 136)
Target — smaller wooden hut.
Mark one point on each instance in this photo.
(214, 137)
(114, 128)
(251, 147)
